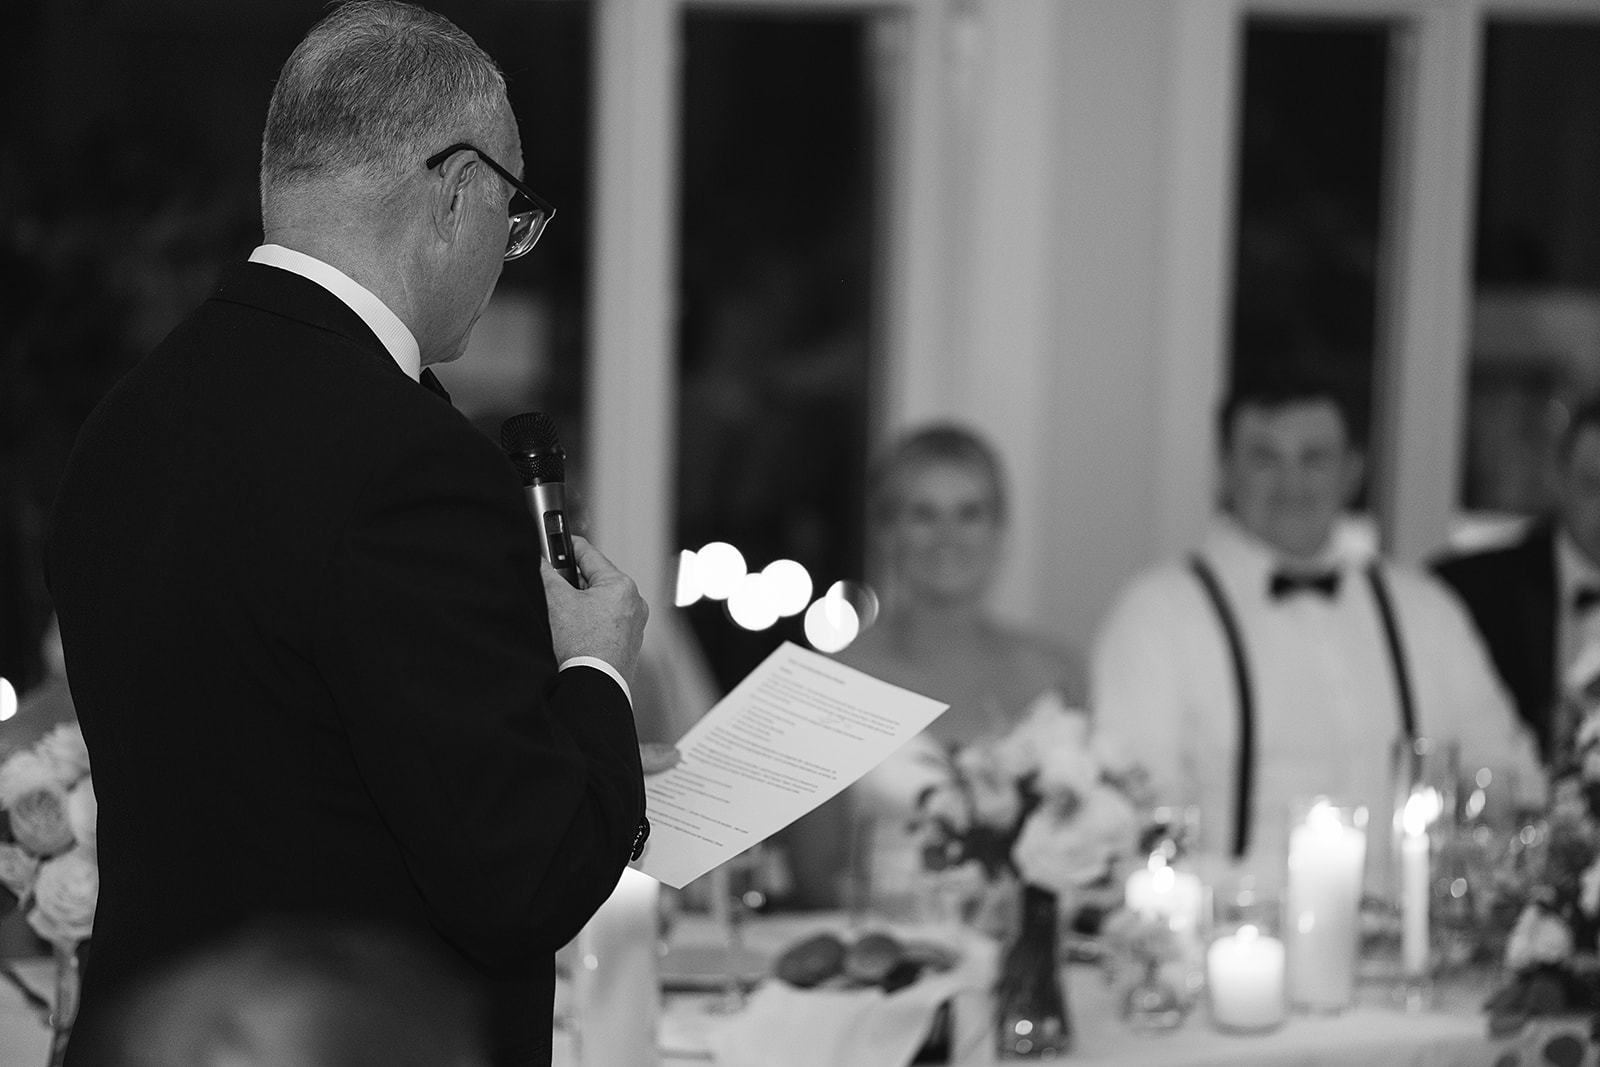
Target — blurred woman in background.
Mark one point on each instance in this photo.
(938, 515)
(937, 512)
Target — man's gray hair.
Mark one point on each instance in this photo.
(372, 91)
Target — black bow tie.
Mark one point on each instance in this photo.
(430, 382)
(1288, 583)
(1586, 600)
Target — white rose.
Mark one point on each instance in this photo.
(82, 813)
(64, 899)
(1065, 853)
(1538, 937)
(39, 821)
(65, 750)
(24, 773)
(1589, 890)
(1048, 724)
(996, 804)
(18, 867)
(1068, 771)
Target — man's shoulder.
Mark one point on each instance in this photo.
(1418, 592)
(1529, 552)
(1170, 577)
(1167, 594)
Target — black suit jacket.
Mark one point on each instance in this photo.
(1511, 593)
(309, 646)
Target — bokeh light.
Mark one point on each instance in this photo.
(8, 699)
(751, 603)
(788, 586)
(720, 566)
(689, 590)
(831, 624)
(861, 597)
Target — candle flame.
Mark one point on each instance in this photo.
(1422, 808)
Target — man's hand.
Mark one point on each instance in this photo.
(657, 756)
(605, 619)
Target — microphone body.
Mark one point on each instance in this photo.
(531, 443)
(548, 502)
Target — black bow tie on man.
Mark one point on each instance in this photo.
(1284, 584)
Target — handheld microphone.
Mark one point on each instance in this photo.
(531, 442)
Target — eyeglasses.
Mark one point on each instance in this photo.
(527, 219)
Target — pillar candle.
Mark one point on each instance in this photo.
(1244, 979)
(1415, 879)
(1327, 854)
(616, 992)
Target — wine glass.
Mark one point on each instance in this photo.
(736, 890)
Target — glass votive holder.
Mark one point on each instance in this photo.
(1246, 975)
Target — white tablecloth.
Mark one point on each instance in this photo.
(1454, 1034)
(1370, 1035)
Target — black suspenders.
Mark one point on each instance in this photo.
(1244, 782)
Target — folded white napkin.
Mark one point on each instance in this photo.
(782, 1026)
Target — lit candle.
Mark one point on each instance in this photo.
(1421, 809)
(1157, 891)
(1327, 853)
(1244, 979)
(616, 994)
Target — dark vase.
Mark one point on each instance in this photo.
(1030, 1003)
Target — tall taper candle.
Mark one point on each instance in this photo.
(1415, 879)
(617, 993)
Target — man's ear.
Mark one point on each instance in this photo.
(448, 197)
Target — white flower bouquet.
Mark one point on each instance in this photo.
(1050, 804)
(48, 863)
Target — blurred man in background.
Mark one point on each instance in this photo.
(1536, 601)
(1275, 664)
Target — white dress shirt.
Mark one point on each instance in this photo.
(1575, 631)
(397, 340)
(1327, 706)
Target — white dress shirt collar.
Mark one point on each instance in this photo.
(1243, 553)
(397, 339)
(1574, 570)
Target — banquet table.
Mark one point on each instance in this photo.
(1374, 1033)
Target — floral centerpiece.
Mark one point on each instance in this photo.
(1050, 803)
(1553, 953)
(47, 840)
(48, 863)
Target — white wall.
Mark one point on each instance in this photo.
(1089, 143)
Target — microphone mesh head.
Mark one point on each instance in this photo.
(531, 442)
